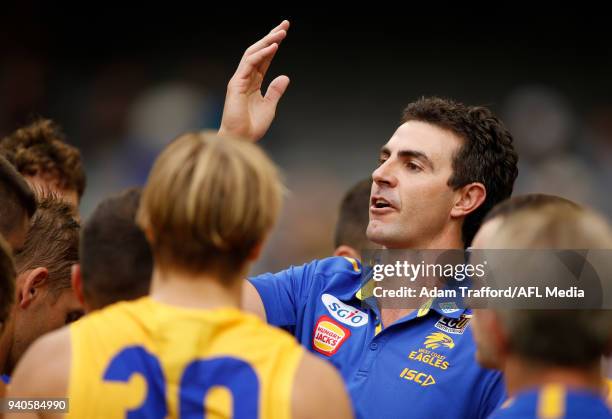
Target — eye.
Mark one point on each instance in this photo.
(381, 160)
(413, 167)
(73, 316)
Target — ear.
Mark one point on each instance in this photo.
(34, 280)
(77, 282)
(470, 197)
(255, 252)
(347, 251)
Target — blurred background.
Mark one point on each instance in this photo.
(123, 82)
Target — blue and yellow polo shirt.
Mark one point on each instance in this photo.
(555, 402)
(422, 366)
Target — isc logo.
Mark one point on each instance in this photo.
(420, 378)
(343, 312)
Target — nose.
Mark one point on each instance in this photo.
(383, 175)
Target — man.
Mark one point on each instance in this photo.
(441, 171)
(17, 206)
(350, 238)
(208, 205)
(40, 153)
(548, 372)
(116, 261)
(45, 300)
(7, 288)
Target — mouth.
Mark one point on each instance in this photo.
(379, 205)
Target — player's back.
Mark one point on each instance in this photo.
(154, 360)
(554, 401)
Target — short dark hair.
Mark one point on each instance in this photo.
(16, 198)
(116, 260)
(528, 201)
(40, 149)
(354, 216)
(7, 281)
(52, 242)
(487, 155)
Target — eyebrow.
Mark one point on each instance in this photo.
(410, 153)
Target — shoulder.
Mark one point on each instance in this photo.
(35, 375)
(339, 264)
(318, 390)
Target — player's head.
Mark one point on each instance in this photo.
(41, 155)
(561, 338)
(45, 300)
(208, 204)
(116, 261)
(441, 171)
(17, 205)
(7, 281)
(350, 238)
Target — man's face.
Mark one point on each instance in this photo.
(411, 200)
(47, 311)
(485, 324)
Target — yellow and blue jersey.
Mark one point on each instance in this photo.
(555, 402)
(422, 366)
(148, 359)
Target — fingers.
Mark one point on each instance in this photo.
(275, 91)
(284, 25)
(275, 36)
(250, 63)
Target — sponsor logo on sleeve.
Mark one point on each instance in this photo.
(344, 313)
(328, 336)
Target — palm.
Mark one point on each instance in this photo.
(247, 113)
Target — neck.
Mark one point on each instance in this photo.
(195, 290)
(449, 238)
(521, 375)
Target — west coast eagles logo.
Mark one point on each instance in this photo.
(437, 339)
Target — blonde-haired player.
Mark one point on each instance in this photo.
(187, 350)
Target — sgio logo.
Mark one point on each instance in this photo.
(343, 312)
(420, 378)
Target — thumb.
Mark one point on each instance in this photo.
(276, 90)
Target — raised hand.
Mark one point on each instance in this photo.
(247, 113)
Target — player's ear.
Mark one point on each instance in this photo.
(34, 280)
(469, 198)
(347, 251)
(255, 252)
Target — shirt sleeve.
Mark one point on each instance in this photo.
(285, 293)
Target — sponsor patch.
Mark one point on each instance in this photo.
(344, 313)
(454, 326)
(328, 336)
(415, 376)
